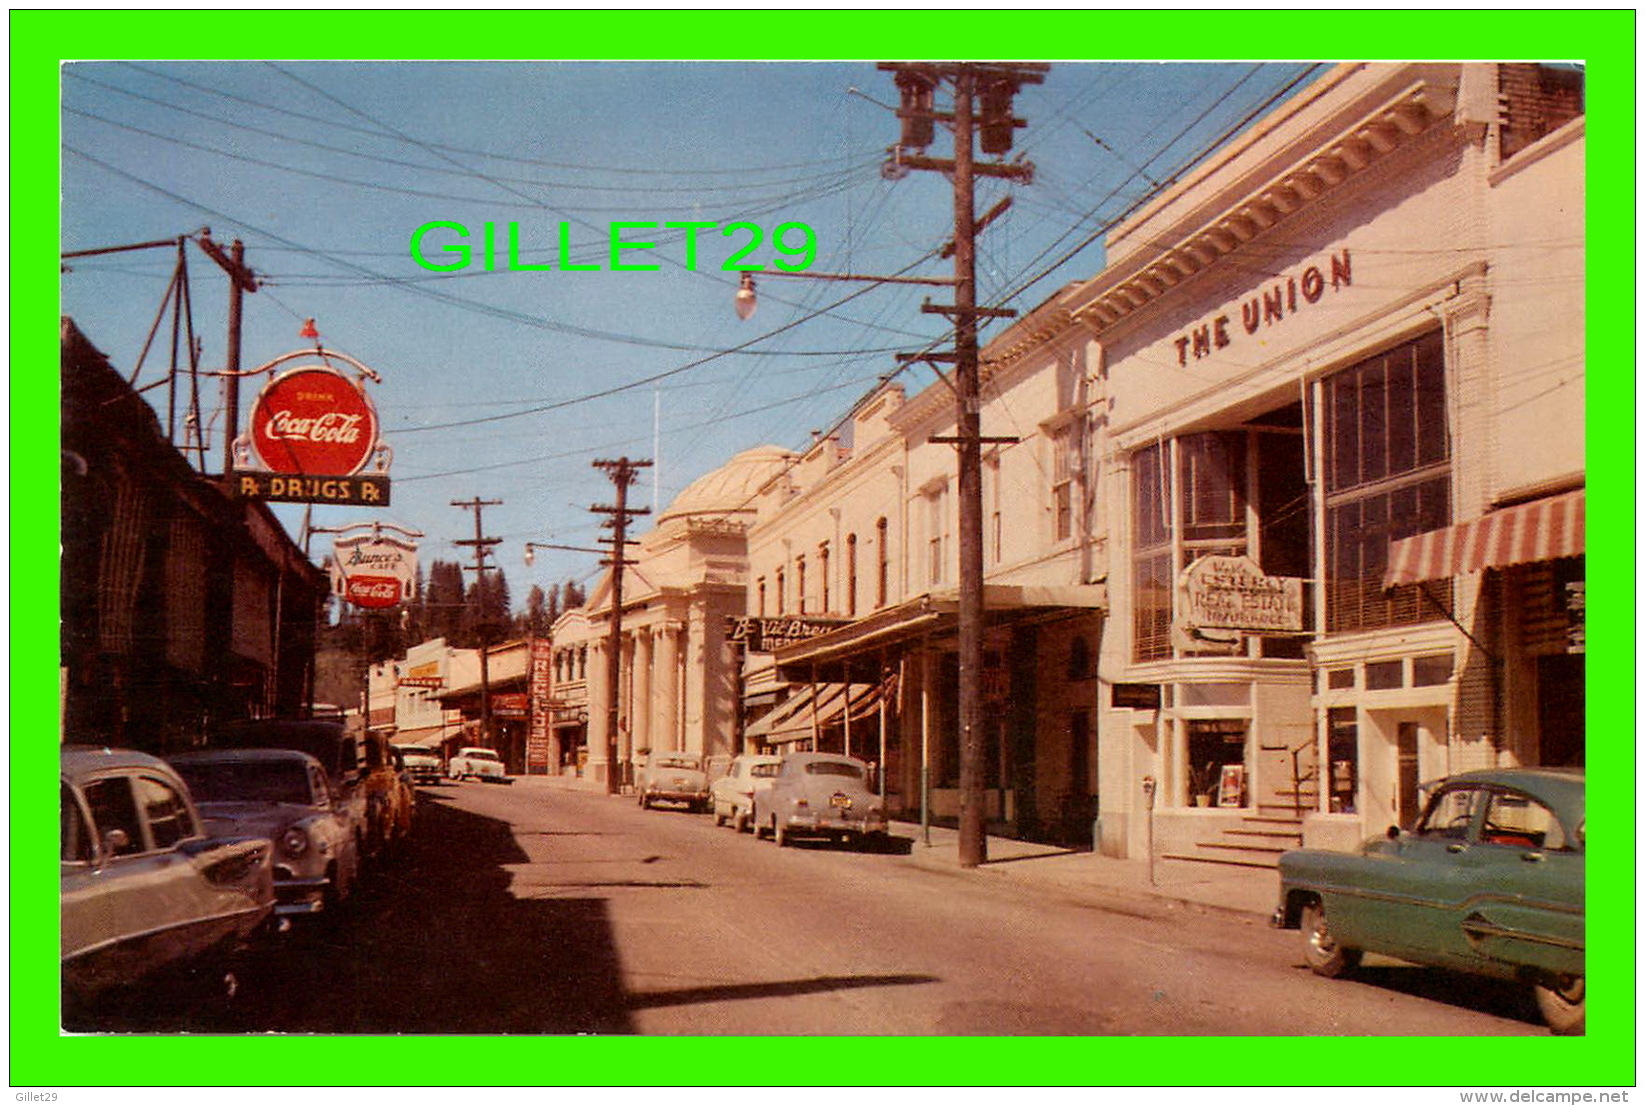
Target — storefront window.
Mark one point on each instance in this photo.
(1152, 573)
(1342, 757)
(1388, 477)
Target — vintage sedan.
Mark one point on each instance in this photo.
(820, 795)
(673, 778)
(422, 765)
(1490, 881)
(144, 890)
(732, 794)
(475, 763)
(285, 796)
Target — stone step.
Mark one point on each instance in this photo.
(1224, 860)
(1288, 835)
(1236, 846)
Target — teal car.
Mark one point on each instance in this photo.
(1490, 881)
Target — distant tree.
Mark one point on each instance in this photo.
(572, 596)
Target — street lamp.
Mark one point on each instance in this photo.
(745, 300)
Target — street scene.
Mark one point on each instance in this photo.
(973, 549)
(542, 908)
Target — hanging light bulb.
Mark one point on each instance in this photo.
(746, 301)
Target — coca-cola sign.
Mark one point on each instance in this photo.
(314, 421)
(373, 570)
(373, 591)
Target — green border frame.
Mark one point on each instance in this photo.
(1603, 40)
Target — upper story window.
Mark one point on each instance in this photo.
(1387, 475)
(936, 533)
(1536, 101)
(851, 576)
(760, 591)
(782, 595)
(1065, 463)
(822, 572)
(799, 583)
(883, 570)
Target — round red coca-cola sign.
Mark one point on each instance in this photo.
(314, 421)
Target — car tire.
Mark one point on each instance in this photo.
(719, 815)
(1564, 1005)
(1325, 957)
(739, 820)
(779, 833)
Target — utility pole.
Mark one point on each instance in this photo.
(994, 86)
(482, 549)
(623, 473)
(240, 281)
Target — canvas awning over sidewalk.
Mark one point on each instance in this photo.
(1541, 530)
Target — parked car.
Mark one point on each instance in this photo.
(144, 890)
(422, 765)
(475, 763)
(1490, 881)
(732, 795)
(340, 751)
(283, 795)
(673, 778)
(820, 795)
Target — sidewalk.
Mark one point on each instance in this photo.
(1176, 885)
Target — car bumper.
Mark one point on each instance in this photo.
(300, 895)
(669, 795)
(836, 823)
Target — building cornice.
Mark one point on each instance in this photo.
(1266, 195)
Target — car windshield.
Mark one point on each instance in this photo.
(481, 754)
(763, 771)
(417, 754)
(677, 762)
(834, 768)
(248, 781)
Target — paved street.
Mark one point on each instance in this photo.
(533, 909)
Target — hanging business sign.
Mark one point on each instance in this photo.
(311, 433)
(373, 570)
(539, 753)
(1231, 593)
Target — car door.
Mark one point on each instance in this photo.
(143, 903)
(1408, 892)
(1526, 905)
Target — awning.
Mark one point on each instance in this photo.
(1537, 531)
(936, 612)
(792, 721)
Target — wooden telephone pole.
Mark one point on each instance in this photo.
(623, 473)
(482, 549)
(982, 96)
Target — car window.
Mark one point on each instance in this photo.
(77, 846)
(258, 781)
(166, 810)
(112, 808)
(1451, 812)
(833, 768)
(1521, 821)
(763, 771)
(677, 762)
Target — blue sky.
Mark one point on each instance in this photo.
(324, 170)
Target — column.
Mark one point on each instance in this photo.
(665, 686)
(640, 723)
(597, 712)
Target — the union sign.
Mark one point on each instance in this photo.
(1231, 593)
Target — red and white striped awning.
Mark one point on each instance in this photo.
(1537, 531)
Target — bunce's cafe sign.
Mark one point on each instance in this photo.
(312, 431)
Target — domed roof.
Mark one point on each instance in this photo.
(729, 489)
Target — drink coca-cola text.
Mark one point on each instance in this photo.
(330, 427)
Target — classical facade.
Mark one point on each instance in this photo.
(677, 672)
(1343, 369)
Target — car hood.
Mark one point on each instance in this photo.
(253, 819)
